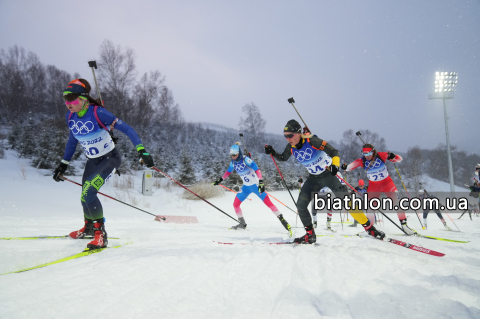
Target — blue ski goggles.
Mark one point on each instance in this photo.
(368, 154)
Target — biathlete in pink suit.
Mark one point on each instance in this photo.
(379, 181)
(252, 183)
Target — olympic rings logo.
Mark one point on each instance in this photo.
(239, 167)
(80, 128)
(377, 163)
(303, 156)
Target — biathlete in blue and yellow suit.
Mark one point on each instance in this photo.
(88, 122)
(252, 183)
(322, 162)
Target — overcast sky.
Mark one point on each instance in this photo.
(348, 64)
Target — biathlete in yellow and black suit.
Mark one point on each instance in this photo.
(322, 161)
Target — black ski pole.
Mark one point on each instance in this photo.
(284, 182)
(164, 174)
(69, 180)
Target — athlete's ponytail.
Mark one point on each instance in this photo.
(88, 88)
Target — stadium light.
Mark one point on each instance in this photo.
(445, 85)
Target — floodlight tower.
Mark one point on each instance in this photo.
(445, 84)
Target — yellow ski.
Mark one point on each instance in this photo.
(86, 252)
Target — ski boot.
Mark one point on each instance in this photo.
(408, 231)
(241, 225)
(425, 223)
(314, 221)
(86, 230)
(445, 225)
(286, 225)
(101, 239)
(372, 231)
(308, 238)
(355, 223)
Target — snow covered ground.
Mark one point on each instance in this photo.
(177, 271)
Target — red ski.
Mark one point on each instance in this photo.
(414, 247)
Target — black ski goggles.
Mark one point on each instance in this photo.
(69, 97)
(289, 135)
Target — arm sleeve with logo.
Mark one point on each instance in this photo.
(250, 163)
(285, 155)
(107, 118)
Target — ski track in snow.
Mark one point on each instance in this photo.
(177, 271)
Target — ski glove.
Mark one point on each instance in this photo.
(145, 158)
(333, 169)
(269, 150)
(261, 186)
(344, 166)
(218, 181)
(60, 170)
(391, 156)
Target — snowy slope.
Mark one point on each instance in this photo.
(177, 271)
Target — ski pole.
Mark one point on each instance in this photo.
(69, 180)
(378, 209)
(341, 220)
(394, 164)
(284, 182)
(232, 191)
(442, 205)
(269, 194)
(164, 174)
(291, 101)
(452, 221)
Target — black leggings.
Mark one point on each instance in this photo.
(425, 213)
(96, 171)
(313, 185)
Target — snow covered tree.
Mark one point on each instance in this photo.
(411, 168)
(252, 126)
(186, 173)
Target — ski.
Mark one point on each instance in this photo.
(280, 243)
(262, 243)
(45, 237)
(435, 238)
(410, 246)
(454, 230)
(84, 253)
(330, 229)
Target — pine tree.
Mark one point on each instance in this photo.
(208, 167)
(187, 172)
(26, 140)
